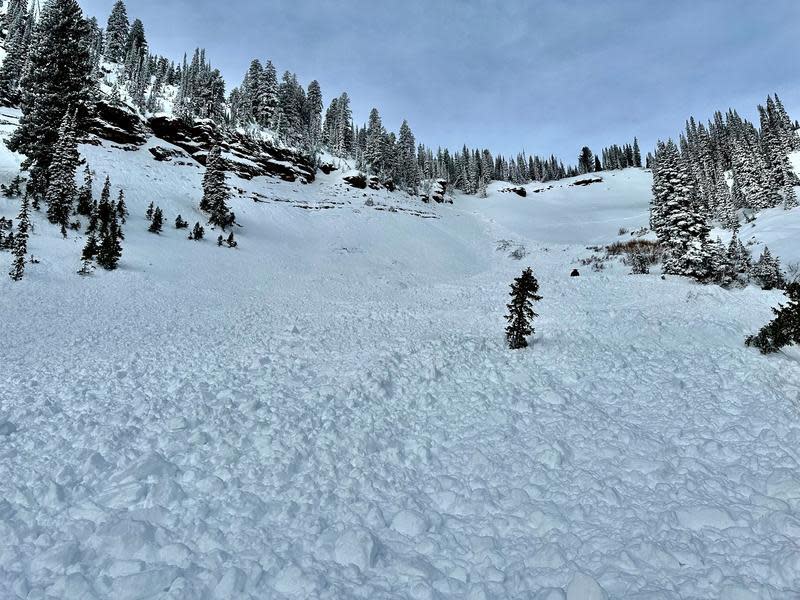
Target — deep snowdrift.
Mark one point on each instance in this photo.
(329, 411)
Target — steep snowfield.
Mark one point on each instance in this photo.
(329, 410)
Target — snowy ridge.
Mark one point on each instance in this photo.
(329, 411)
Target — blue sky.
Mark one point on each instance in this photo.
(504, 74)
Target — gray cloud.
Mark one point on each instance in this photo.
(507, 74)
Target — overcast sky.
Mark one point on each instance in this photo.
(543, 76)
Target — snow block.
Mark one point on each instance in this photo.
(584, 587)
(356, 546)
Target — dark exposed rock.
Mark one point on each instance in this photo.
(438, 192)
(328, 168)
(116, 124)
(519, 191)
(245, 156)
(589, 181)
(166, 154)
(357, 181)
(575, 273)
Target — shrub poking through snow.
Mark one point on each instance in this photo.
(784, 330)
(640, 264)
(180, 223)
(520, 310)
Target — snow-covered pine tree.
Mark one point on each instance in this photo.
(524, 291)
(216, 192)
(376, 142)
(784, 329)
(767, 271)
(313, 115)
(117, 33)
(136, 39)
(739, 257)
(20, 249)
(677, 216)
(61, 190)
(18, 42)
(56, 78)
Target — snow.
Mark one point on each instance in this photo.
(329, 410)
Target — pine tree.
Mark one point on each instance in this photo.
(180, 223)
(121, 208)
(219, 240)
(85, 193)
(784, 329)
(215, 191)
(767, 271)
(18, 42)
(20, 249)
(149, 214)
(61, 190)
(586, 160)
(520, 310)
(57, 77)
(738, 257)
(313, 109)
(136, 40)
(117, 32)
(232, 243)
(157, 223)
(197, 233)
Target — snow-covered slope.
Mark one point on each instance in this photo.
(329, 410)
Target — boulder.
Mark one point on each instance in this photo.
(518, 190)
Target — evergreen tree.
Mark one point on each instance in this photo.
(215, 191)
(767, 271)
(136, 40)
(85, 193)
(18, 42)
(738, 257)
(586, 160)
(20, 249)
(197, 233)
(61, 190)
(231, 241)
(784, 329)
(520, 310)
(313, 116)
(56, 78)
(110, 248)
(121, 208)
(117, 33)
(149, 213)
(157, 223)
(180, 223)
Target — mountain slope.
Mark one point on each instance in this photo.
(329, 410)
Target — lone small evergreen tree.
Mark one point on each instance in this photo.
(232, 243)
(149, 214)
(520, 310)
(219, 241)
(180, 223)
(784, 329)
(20, 249)
(157, 223)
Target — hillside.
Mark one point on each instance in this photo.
(329, 410)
